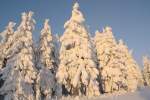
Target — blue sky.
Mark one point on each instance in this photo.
(130, 19)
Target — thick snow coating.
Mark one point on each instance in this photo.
(146, 70)
(19, 72)
(118, 70)
(63, 67)
(77, 70)
(46, 84)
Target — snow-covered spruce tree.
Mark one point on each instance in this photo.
(46, 83)
(118, 69)
(146, 70)
(130, 74)
(134, 76)
(130, 69)
(77, 70)
(104, 43)
(19, 74)
(6, 43)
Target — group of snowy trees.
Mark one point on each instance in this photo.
(81, 65)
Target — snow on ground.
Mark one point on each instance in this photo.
(141, 94)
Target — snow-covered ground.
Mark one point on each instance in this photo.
(141, 94)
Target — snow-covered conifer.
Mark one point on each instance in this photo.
(6, 43)
(20, 73)
(134, 76)
(146, 70)
(48, 62)
(77, 70)
(118, 69)
(104, 43)
(130, 74)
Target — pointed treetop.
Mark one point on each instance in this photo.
(11, 25)
(145, 59)
(76, 5)
(24, 16)
(77, 14)
(46, 25)
(121, 42)
(46, 28)
(27, 22)
(146, 62)
(97, 32)
(30, 14)
(108, 29)
(122, 45)
(9, 29)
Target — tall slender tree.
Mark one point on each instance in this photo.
(6, 43)
(77, 70)
(146, 70)
(20, 73)
(104, 43)
(134, 76)
(48, 63)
